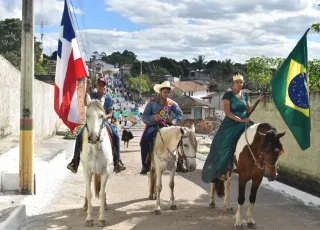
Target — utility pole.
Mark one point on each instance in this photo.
(140, 79)
(26, 179)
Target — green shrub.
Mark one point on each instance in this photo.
(68, 135)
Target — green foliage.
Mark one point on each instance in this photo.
(116, 58)
(200, 63)
(138, 84)
(10, 45)
(314, 74)
(316, 26)
(261, 69)
(70, 136)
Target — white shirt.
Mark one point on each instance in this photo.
(128, 125)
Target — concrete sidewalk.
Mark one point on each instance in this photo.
(50, 158)
(129, 207)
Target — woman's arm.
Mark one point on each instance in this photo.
(226, 108)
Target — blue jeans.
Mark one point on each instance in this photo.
(116, 142)
(146, 144)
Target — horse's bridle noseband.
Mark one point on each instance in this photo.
(181, 155)
(103, 124)
(261, 155)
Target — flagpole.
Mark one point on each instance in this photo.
(258, 101)
(26, 179)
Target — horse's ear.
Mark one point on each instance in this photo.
(182, 131)
(193, 128)
(279, 135)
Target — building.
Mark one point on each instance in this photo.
(190, 88)
(193, 108)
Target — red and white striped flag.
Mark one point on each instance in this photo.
(69, 69)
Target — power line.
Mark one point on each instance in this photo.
(84, 24)
(84, 48)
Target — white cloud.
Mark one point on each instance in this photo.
(183, 29)
(47, 12)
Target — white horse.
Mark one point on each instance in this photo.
(96, 158)
(168, 141)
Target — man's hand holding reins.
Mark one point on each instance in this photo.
(157, 117)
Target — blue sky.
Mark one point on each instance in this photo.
(229, 29)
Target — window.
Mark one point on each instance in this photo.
(186, 110)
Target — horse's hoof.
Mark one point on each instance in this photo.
(238, 227)
(101, 223)
(157, 212)
(150, 197)
(89, 223)
(252, 225)
(230, 211)
(84, 208)
(173, 207)
(212, 205)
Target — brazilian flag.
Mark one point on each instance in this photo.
(290, 92)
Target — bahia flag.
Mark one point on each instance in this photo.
(69, 69)
(290, 92)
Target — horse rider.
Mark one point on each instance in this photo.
(236, 105)
(107, 103)
(158, 109)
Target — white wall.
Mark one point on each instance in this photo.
(216, 101)
(196, 94)
(46, 122)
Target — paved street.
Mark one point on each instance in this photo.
(129, 208)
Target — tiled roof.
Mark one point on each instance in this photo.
(187, 86)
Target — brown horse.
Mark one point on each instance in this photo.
(252, 162)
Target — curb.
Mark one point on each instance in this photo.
(15, 219)
(46, 174)
(277, 186)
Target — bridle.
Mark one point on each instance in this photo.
(103, 125)
(182, 155)
(262, 153)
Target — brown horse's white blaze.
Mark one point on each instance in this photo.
(168, 141)
(252, 163)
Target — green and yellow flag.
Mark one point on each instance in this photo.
(290, 92)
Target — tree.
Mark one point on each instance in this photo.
(10, 45)
(261, 69)
(156, 73)
(314, 74)
(200, 62)
(316, 26)
(54, 56)
(138, 84)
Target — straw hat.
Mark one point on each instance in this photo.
(165, 84)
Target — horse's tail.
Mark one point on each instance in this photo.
(97, 184)
(219, 185)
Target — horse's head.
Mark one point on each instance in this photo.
(94, 116)
(189, 147)
(271, 149)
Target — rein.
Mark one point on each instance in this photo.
(180, 156)
(264, 163)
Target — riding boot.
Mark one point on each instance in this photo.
(181, 167)
(117, 167)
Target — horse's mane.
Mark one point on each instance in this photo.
(96, 105)
(170, 134)
(266, 126)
